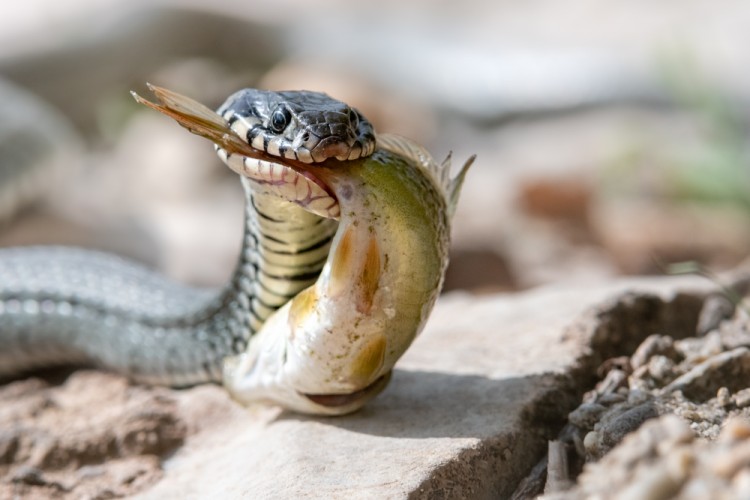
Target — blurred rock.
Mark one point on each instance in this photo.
(561, 198)
(478, 271)
(642, 236)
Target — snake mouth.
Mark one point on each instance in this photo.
(289, 180)
(361, 396)
(286, 178)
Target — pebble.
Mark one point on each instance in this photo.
(742, 398)
(716, 309)
(612, 381)
(651, 346)
(612, 431)
(704, 380)
(661, 368)
(592, 443)
(723, 397)
(586, 415)
(611, 399)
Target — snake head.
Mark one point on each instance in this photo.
(276, 139)
(307, 126)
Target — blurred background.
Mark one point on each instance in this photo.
(612, 137)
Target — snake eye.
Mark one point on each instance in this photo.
(280, 119)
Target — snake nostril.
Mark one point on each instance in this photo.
(305, 137)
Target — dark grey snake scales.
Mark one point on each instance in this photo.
(68, 305)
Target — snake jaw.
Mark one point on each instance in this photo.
(297, 184)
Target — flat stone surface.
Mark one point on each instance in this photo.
(467, 413)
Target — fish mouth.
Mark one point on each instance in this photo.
(359, 397)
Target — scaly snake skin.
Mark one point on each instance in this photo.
(68, 305)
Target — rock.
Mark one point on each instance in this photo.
(742, 398)
(723, 397)
(468, 412)
(716, 309)
(673, 233)
(586, 415)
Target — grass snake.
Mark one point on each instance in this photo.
(344, 251)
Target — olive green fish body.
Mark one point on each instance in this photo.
(333, 346)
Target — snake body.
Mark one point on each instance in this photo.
(344, 253)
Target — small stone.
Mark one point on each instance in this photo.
(641, 385)
(728, 369)
(716, 309)
(742, 398)
(651, 346)
(578, 444)
(637, 397)
(638, 381)
(592, 443)
(661, 368)
(712, 345)
(611, 398)
(723, 397)
(586, 415)
(613, 381)
(614, 430)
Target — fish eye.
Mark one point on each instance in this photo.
(280, 119)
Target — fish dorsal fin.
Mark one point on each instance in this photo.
(440, 173)
(408, 149)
